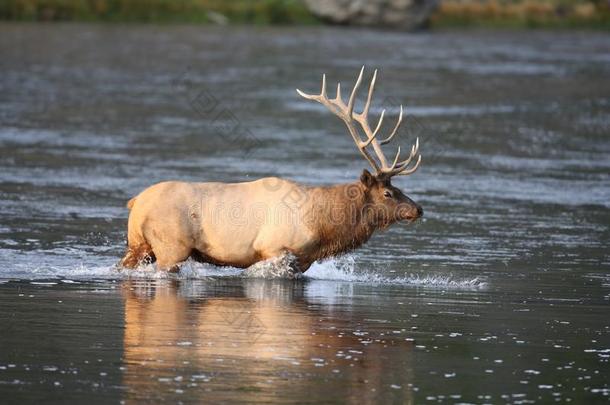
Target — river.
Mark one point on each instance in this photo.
(500, 294)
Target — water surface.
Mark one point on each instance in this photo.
(500, 294)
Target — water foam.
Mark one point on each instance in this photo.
(341, 269)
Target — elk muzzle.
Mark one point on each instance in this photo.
(409, 211)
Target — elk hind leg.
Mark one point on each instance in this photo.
(168, 257)
(136, 255)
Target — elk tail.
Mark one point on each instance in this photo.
(131, 202)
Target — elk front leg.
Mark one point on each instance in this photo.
(168, 257)
(136, 255)
(284, 264)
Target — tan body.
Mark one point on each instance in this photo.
(235, 224)
(239, 224)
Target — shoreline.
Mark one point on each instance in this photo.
(507, 28)
(450, 14)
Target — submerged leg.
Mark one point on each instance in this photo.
(283, 265)
(168, 257)
(136, 255)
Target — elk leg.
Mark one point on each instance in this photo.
(274, 265)
(168, 257)
(304, 265)
(296, 263)
(136, 255)
(293, 263)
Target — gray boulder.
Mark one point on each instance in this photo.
(397, 14)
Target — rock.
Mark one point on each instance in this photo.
(217, 18)
(397, 14)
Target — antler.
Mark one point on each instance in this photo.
(346, 112)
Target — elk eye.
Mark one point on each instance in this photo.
(387, 194)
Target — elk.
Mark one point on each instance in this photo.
(240, 224)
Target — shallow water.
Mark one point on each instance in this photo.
(500, 294)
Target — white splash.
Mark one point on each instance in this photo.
(341, 269)
(282, 267)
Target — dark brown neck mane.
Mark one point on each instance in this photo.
(335, 215)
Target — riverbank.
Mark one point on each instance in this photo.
(273, 12)
(522, 14)
(593, 14)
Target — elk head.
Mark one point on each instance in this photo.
(384, 203)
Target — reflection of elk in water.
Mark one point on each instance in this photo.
(240, 224)
(257, 336)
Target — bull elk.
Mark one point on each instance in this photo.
(239, 224)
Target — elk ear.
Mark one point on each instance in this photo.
(367, 178)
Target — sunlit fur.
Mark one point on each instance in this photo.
(240, 224)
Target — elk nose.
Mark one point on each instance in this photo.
(420, 211)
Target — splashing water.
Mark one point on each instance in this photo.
(343, 269)
(276, 267)
(335, 269)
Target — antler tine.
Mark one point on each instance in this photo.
(322, 96)
(414, 150)
(378, 124)
(308, 96)
(365, 111)
(323, 91)
(401, 168)
(389, 138)
(337, 106)
(339, 98)
(352, 97)
(373, 136)
(346, 112)
(396, 158)
(411, 170)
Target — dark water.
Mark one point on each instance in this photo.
(500, 295)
